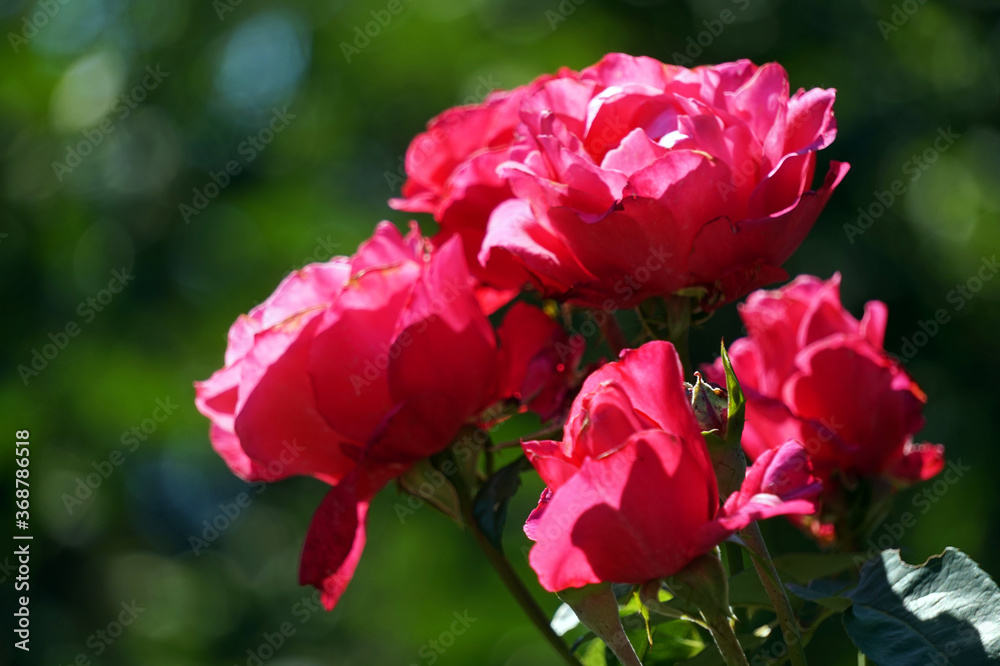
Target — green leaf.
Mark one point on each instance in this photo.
(593, 653)
(943, 612)
(673, 641)
(737, 402)
(805, 567)
(827, 593)
(711, 656)
(515, 427)
(745, 588)
(424, 481)
(490, 506)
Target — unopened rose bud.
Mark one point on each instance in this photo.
(720, 413)
(710, 404)
(704, 583)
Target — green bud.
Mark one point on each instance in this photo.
(720, 414)
(703, 583)
(710, 404)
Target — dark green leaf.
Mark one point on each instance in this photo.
(490, 507)
(424, 481)
(946, 611)
(673, 642)
(593, 653)
(711, 656)
(745, 589)
(828, 593)
(804, 567)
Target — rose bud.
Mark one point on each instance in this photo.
(631, 496)
(451, 174)
(538, 361)
(710, 405)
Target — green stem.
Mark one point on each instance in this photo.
(597, 608)
(509, 577)
(726, 641)
(681, 344)
(678, 326)
(862, 659)
(521, 593)
(734, 558)
(622, 649)
(776, 593)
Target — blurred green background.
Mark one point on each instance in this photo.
(154, 97)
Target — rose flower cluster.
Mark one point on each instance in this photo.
(628, 182)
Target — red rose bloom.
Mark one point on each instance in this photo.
(630, 178)
(452, 174)
(813, 372)
(353, 370)
(661, 178)
(631, 493)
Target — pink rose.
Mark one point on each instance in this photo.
(353, 370)
(629, 179)
(631, 493)
(634, 178)
(538, 361)
(813, 372)
(451, 171)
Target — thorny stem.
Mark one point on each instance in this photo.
(510, 579)
(521, 595)
(726, 641)
(776, 593)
